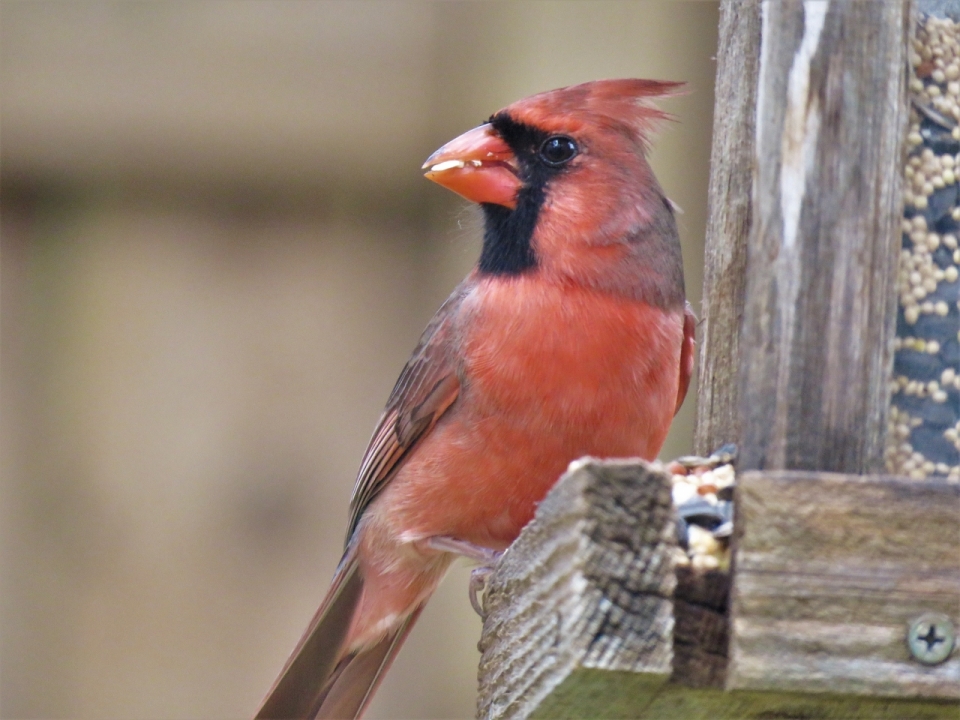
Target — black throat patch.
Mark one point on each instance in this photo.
(507, 233)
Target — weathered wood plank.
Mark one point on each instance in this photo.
(728, 225)
(830, 571)
(588, 584)
(701, 628)
(821, 271)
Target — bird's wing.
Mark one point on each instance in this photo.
(686, 353)
(427, 387)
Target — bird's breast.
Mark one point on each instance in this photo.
(549, 373)
(569, 358)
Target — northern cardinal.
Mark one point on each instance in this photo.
(570, 337)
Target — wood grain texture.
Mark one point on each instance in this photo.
(700, 633)
(819, 316)
(831, 569)
(588, 584)
(728, 225)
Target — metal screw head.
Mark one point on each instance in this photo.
(930, 638)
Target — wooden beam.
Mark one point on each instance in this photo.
(587, 585)
(819, 317)
(729, 216)
(831, 570)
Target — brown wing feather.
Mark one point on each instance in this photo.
(687, 353)
(426, 388)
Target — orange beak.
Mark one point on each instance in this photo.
(478, 165)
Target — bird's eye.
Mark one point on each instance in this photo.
(558, 150)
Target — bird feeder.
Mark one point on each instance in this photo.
(830, 356)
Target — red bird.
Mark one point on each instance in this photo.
(571, 337)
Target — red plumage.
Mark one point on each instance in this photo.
(572, 337)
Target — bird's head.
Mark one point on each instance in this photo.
(562, 177)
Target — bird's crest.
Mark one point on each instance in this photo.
(623, 102)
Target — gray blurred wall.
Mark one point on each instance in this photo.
(217, 253)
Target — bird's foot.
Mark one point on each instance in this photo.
(479, 576)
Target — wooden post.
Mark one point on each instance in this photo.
(819, 318)
(728, 225)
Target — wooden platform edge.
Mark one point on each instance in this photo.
(588, 584)
(583, 617)
(831, 570)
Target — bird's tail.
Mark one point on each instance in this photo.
(321, 679)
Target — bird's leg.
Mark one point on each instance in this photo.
(484, 556)
(478, 577)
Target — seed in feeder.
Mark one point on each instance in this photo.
(933, 347)
(950, 274)
(705, 562)
(911, 315)
(948, 177)
(941, 308)
(702, 541)
(920, 202)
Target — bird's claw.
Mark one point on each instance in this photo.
(478, 585)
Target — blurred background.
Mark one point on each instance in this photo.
(217, 253)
